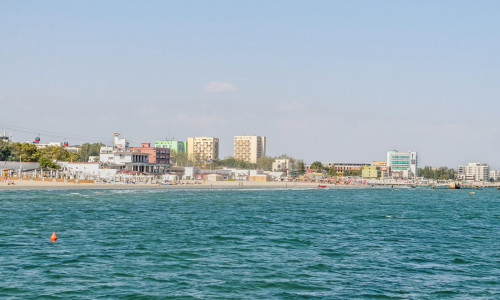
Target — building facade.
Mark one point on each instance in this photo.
(203, 149)
(370, 172)
(120, 144)
(494, 175)
(474, 172)
(249, 148)
(120, 159)
(340, 167)
(174, 146)
(382, 166)
(120, 156)
(156, 154)
(402, 164)
(282, 165)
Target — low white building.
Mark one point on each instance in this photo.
(277, 176)
(169, 177)
(282, 164)
(191, 172)
(214, 177)
(86, 169)
(122, 158)
(240, 174)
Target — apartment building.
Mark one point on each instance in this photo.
(203, 149)
(474, 172)
(249, 148)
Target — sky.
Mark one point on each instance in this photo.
(340, 81)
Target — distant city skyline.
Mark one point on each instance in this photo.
(322, 80)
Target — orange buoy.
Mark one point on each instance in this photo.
(53, 237)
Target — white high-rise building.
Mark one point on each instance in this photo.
(249, 148)
(474, 172)
(402, 164)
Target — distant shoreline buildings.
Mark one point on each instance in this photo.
(204, 151)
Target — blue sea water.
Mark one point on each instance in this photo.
(250, 244)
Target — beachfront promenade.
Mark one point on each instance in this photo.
(49, 183)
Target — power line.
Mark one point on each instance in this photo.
(49, 133)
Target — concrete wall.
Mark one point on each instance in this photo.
(15, 165)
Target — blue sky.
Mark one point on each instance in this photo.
(323, 80)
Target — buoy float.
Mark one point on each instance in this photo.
(53, 238)
(472, 193)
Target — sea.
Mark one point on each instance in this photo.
(373, 243)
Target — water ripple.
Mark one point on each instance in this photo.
(249, 243)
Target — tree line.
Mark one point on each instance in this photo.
(27, 152)
(442, 173)
(265, 163)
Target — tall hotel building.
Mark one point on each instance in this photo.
(402, 164)
(203, 149)
(249, 148)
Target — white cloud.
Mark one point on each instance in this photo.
(219, 87)
(291, 106)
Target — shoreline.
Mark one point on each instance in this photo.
(38, 185)
(45, 185)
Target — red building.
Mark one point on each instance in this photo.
(156, 154)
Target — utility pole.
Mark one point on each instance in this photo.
(19, 166)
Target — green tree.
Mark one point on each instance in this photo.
(179, 158)
(231, 162)
(301, 167)
(352, 173)
(196, 159)
(87, 150)
(332, 171)
(442, 173)
(265, 163)
(316, 166)
(7, 151)
(26, 151)
(47, 163)
(58, 153)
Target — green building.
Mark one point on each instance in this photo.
(173, 145)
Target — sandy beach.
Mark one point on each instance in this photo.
(28, 184)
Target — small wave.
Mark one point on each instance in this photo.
(445, 293)
(379, 296)
(459, 261)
